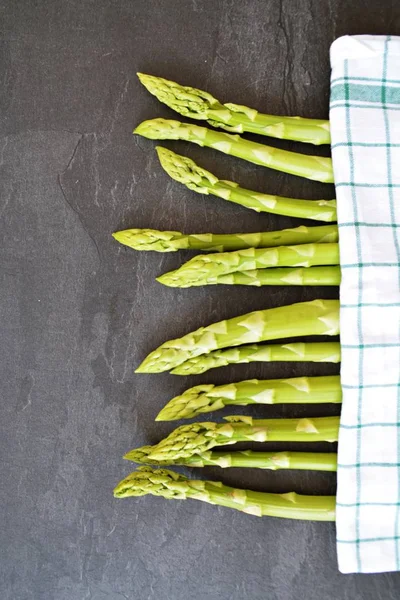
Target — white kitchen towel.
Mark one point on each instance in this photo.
(365, 125)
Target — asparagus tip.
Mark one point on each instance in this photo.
(137, 455)
(146, 80)
(147, 480)
(165, 280)
(159, 129)
(161, 151)
(119, 236)
(146, 128)
(163, 415)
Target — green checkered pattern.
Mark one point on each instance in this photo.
(365, 125)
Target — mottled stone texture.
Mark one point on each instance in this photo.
(79, 312)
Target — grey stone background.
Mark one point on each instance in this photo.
(79, 312)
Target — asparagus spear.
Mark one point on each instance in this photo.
(208, 397)
(309, 352)
(261, 277)
(186, 171)
(309, 461)
(317, 168)
(205, 267)
(169, 485)
(196, 104)
(198, 438)
(171, 241)
(318, 317)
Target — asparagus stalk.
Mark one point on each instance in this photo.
(204, 268)
(208, 397)
(171, 241)
(309, 352)
(198, 438)
(186, 171)
(196, 104)
(247, 459)
(169, 485)
(260, 277)
(318, 317)
(317, 168)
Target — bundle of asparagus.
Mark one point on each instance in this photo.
(318, 317)
(306, 256)
(198, 438)
(252, 263)
(250, 256)
(244, 271)
(190, 445)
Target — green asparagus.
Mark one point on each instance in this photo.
(208, 397)
(196, 104)
(198, 438)
(169, 485)
(305, 352)
(204, 268)
(318, 317)
(260, 277)
(247, 459)
(186, 171)
(317, 168)
(171, 241)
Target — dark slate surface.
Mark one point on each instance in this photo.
(79, 312)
